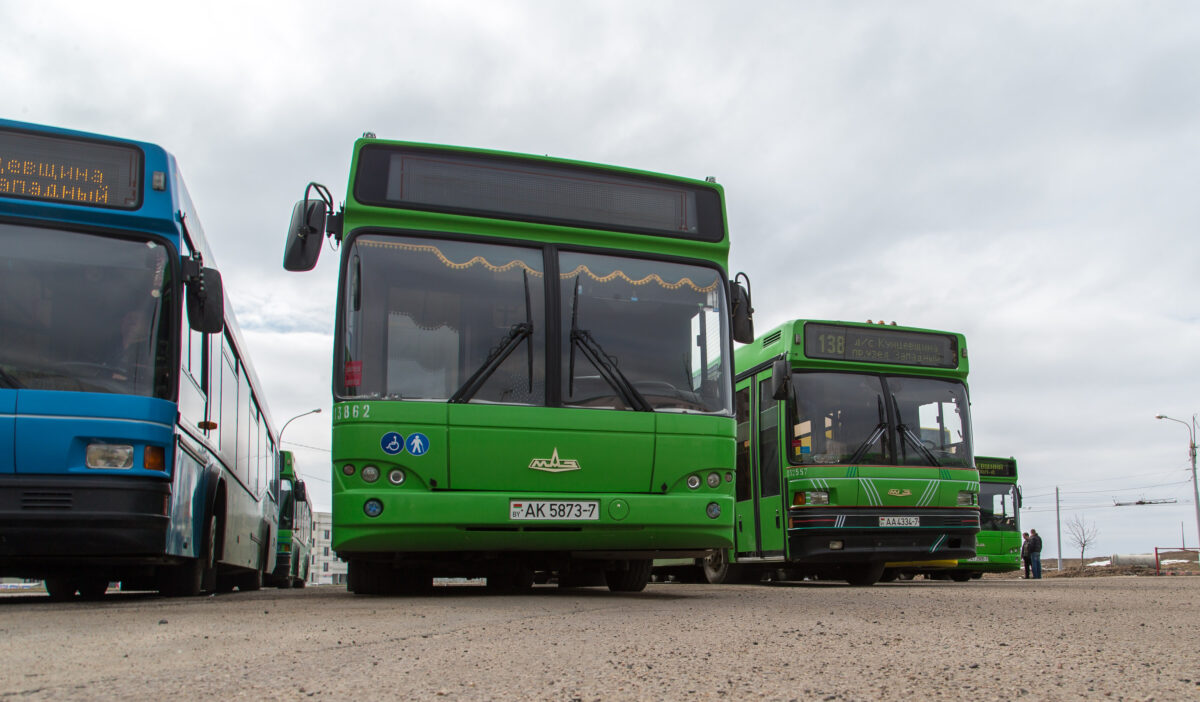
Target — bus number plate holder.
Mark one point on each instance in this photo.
(899, 521)
(554, 510)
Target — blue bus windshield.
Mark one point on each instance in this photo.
(83, 312)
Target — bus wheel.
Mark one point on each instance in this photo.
(249, 582)
(187, 579)
(298, 582)
(889, 575)
(863, 575)
(60, 589)
(718, 569)
(960, 576)
(630, 579)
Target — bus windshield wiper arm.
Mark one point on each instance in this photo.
(607, 366)
(516, 334)
(906, 433)
(879, 429)
(6, 380)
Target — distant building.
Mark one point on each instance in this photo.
(327, 568)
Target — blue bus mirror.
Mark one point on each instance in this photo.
(305, 234)
(206, 302)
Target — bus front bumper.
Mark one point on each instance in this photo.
(48, 521)
(832, 535)
(659, 525)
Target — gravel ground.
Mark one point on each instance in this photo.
(1120, 638)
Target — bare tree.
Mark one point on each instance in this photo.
(1082, 534)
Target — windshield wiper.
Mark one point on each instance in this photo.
(522, 331)
(7, 380)
(879, 429)
(906, 433)
(605, 364)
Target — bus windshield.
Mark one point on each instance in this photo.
(852, 418)
(997, 507)
(83, 312)
(441, 320)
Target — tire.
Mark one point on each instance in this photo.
(299, 583)
(864, 575)
(250, 582)
(889, 575)
(630, 579)
(60, 589)
(718, 570)
(960, 576)
(187, 579)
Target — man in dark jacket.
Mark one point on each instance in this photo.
(1035, 553)
(1025, 554)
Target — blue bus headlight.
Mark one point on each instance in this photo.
(109, 456)
(373, 508)
(713, 511)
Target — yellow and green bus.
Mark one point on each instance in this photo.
(853, 450)
(533, 371)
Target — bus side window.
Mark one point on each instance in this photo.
(768, 439)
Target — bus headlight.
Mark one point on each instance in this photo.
(373, 508)
(965, 499)
(714, 479)
(109, 456)
(713, 510)
(396, 476)
(693, 481)
(370, 474)
(817, 497)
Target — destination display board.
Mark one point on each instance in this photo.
(70, 170)
(996, 467)
(880, 345)
(508, 187)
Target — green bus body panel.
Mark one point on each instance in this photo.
(997, 551)
(885, 486)
(622, 456)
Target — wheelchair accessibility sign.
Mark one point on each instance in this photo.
(394, 443)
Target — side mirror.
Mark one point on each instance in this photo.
(206, 302)
(740, 310)
(1020, 497)
(300, 492)
(305, 234)
(781, 379)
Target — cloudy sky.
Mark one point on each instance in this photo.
(1021, 172)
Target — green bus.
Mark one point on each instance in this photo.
(533, 369)
(998, 547)
(294, 549)
(853, 450)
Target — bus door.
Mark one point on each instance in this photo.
(772, 513)
(745, 533)
(8, 422)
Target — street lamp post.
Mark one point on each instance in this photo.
(302, 414)
(1192, 453)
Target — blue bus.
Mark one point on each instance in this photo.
(135, 445)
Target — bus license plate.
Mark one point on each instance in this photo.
(899, 521)
(554, 510)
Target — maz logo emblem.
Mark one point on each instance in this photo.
(895, 492)
(554, 464)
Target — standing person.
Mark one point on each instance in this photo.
(1035, 553)
(1025, 553)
